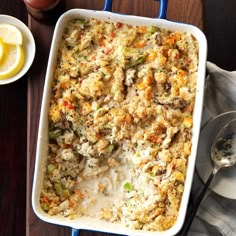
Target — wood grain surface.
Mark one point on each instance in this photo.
(13, 126)
(188, 11)
(20, 101)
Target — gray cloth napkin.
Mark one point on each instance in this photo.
(220, 90)
(216, 215)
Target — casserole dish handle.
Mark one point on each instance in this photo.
(161, 13)
(74, 232)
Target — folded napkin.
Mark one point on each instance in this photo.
(216, 215)
(220, 90)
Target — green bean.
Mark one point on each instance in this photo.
(54, 134)
(139, 61)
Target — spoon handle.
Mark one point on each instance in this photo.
(192, 212)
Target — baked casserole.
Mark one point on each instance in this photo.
(120, 123)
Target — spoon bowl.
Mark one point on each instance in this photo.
(223, 148)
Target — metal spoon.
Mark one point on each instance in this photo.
(223, 154)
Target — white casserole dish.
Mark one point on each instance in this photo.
(41, 154)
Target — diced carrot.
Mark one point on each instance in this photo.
(173, 38)
(181, 72)
(148, 79)
(64, 85)
(170, 40)
(142, 29)
(140, 44)
(154, 138)
(45, 199)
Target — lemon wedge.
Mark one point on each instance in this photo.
(10, 34)
(12, 61)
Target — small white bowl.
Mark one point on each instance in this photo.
(28, 46)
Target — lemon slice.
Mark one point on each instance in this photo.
(10, 34)
(12, 61)
(2, 49)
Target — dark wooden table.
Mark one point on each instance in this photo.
(20, 101)
(139, 7)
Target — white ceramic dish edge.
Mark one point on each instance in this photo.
(41, 152)
(28, 46)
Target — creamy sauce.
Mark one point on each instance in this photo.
(103, 191)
